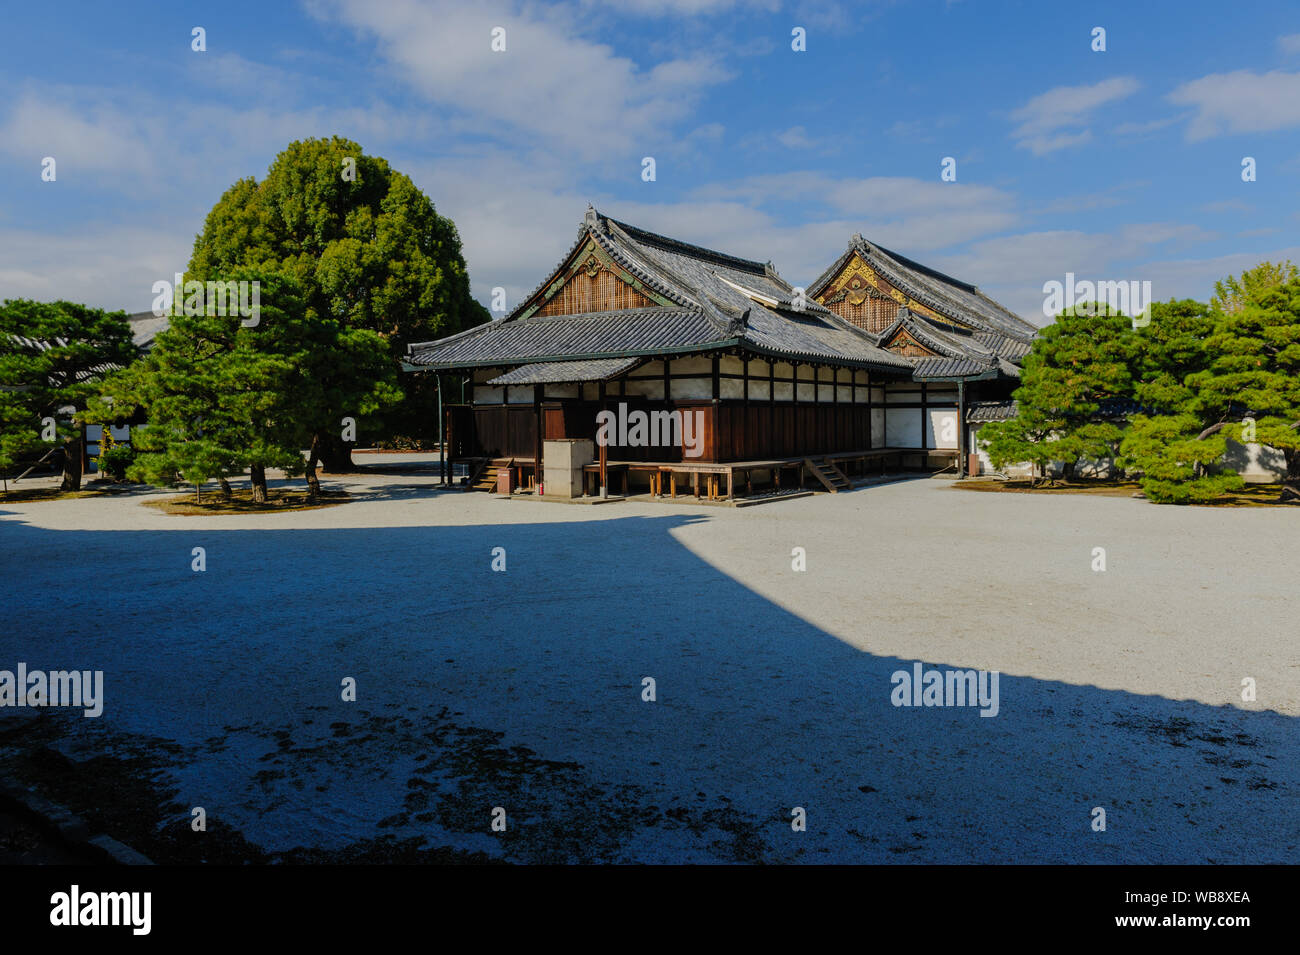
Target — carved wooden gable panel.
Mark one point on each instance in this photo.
(901, 343)
(864, 297)
(593, 282)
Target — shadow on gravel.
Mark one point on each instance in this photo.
(522, 689)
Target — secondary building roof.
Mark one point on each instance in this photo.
(949, 297)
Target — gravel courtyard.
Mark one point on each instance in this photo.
(522, 689)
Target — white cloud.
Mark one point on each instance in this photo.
(796, 137)
(1046, 120)
(1240, 102)
(660, 8)
(1012, 269)
(550, 84)
(1227, 205)
(912, 213)
(112, 267)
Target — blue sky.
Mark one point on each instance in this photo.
(1117, 165)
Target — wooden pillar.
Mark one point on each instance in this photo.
(871, 441)
(924, 421)
(794, 397)
(961, 429)
(538, 391)
(604, 456)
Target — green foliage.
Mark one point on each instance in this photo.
(221, 397)
(1076, 363)
(1232, 294)
(36, 383)
(1174, 464)
(1254, 367)
(1166, 351)
(371, 254)
(115, 460)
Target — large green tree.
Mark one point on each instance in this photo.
(1165, 444)
(222, 392)
(1076, 364)
(368, 250)
(1252, 382)
(52, 355)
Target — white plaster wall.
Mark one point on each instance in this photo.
(938, 424)
(1256, 463)
(692, 387)
(692, 366)
(648, 388)
(903, 428)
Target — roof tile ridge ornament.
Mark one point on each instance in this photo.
(723, 315)
(737, 327)
(856, 241)
(591, 220)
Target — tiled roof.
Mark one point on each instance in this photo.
(948, 296)
(721, 301)
(557, 372)
(632, 331)
(41, 345)
(961, 352)
(145, 327)
(978, 412)
(950, 368)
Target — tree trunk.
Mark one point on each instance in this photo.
(1291, 484)
(1067, 472)
(225, 488)
(72, 465)
(335, 454)
(313, 456)
(257, 474)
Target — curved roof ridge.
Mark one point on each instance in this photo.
(637, 234)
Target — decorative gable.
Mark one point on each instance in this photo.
(591, 281)
(863, 296)
(902, 343)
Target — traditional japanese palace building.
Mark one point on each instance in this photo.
(881, 358)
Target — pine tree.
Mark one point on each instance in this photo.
(1164, 445)
(1253, 376)
(52, 356)
(222, 396)
(1076, 364)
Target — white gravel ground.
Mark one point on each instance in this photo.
(522, 689)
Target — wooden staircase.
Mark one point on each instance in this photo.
(484, 476)
(832, 478)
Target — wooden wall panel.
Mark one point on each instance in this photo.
(603, 292)
(728, 430)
